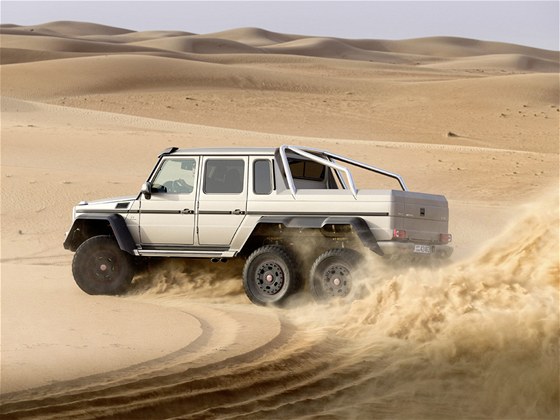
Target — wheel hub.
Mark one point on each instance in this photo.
(270, 278)
(337, 281)
(104, 267)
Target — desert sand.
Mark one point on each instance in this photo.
(85, 110)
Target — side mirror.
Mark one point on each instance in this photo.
(146, 190)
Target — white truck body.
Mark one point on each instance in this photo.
(225, 203)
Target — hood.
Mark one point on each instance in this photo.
(115, 203)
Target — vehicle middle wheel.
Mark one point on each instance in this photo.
(100, 267)
(270, 275)
(331, 273)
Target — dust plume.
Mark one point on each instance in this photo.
(193, 279)
(479, 338)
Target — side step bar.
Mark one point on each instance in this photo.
(183, 254)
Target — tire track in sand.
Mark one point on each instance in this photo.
(211, 351)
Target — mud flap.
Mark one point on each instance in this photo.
(361, 228)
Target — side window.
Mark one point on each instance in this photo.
(262, 172)
(307, 170)
(175, 176)
(224, 176)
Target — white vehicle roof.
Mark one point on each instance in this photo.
(225, 151)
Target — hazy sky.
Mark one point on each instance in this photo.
(533, 23)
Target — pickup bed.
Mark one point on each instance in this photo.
(294, 213)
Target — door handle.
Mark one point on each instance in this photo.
(238, 212)
(187, 211)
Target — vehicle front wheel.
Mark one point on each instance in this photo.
(270, 275)
(331, 273)
(100, 267)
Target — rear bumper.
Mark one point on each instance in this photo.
(395, 248)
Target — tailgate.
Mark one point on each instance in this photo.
(426, 216)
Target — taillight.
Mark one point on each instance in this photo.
(445, 238)
(399, 234)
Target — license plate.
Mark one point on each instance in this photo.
(422, 249)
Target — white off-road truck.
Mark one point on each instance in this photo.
(294, 213)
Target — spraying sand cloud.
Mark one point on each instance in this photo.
(194, 279)
(480, 335)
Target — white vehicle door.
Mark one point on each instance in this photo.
(222, 199)
(168, 217)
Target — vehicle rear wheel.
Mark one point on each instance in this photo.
(270, 275)
(331, 273)
(100, 267)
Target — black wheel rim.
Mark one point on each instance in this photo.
(105, 266)
(269, 278)
(336, 281)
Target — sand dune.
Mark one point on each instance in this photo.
(347, 83)
(64, 28)
(444, 47)
(136, 36)
(25, 55)
(440, 53)
(200, 45)
(371, 98)
(254, 37)
(102, 74)
(503, 62)
(55, 44)
(431, 46)
(451, 47)
(333, 48)
(86, 108)
(78, 37)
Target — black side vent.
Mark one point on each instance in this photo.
(122, 205)
(422, 211)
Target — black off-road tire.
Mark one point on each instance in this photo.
(100, 267)
(270, 275)
(331, 273)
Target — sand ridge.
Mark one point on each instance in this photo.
(86, 108)
(325, 87)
